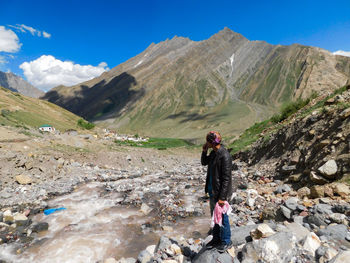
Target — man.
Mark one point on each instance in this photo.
(218, 185)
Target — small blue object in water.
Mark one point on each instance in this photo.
(52, 210)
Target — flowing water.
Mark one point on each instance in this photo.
(93, 228)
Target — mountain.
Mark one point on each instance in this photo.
(15, 83)
(22, 111)
(183, 88)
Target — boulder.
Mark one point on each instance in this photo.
(338, 218)
(311, 243)
(341, 189)
(329, 169)
(316, 219)
(323, 209)
(240, 235)
(23, 179)
(277, 248)
(336, 232)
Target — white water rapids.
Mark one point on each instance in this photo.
(93, 228)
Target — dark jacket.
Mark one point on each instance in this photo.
(220, 163)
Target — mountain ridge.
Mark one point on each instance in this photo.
(181, 87)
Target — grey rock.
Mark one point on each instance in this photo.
(316, 219)
(298, 230)
(324, 209)
(301, 208)
(337, 218)
(274, 249)
(286, 212)
(164, 243)
(292, 203)
(240, 235)
(144, 256)
(41, 226)
(336, 232)
(342, 257)
(329, 169)
(347, 237)
(283, 188)
(209, 256)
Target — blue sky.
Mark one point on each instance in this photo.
(90, 32)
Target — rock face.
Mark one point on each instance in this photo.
(179, 81)
(15, 83)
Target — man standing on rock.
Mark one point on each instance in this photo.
(219, 186)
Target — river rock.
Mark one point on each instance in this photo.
(338, 218)
(262, 231)
(337, 232)
(274, 249)
(144, 257)
(323, 209)
(341, 189)
(329, 169)
(286, 212)
(292, 203)
(298, 230)
(23, 179)
(212, 255)
(311, 243)
(41, 226)
(240, 235)
(304, 191)
(317, 191)
(316, 219)
(145, 209)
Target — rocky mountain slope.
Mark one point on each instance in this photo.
(182, 88)
(15, 83)
(22, 111)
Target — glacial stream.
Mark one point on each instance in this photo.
(93, 228)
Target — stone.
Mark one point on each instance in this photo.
(316, 219)
(23, 179)
(292, 203)
(240, 235)
(294, 159)
(336, 232)
(41, 226)
(304, 191)
(274, 249)
(145, 209)
(287, 169)
(210, 256)
(170, 261)
(311, 243)
(262, 231)
(341, 189)
(317, 191)
(329, 169)
(283, 189)
(232, 252)
(328, 191)
(328, 255)
(298, 230)
(151, 249)
(175, 249)
(325, 209)
(317, 179)
(8, 216)
(345, 114)
(295, 178)
(338, 218)
(127, 260)
(164, 243)
(144, 257)
(286, 212)
(343, 256)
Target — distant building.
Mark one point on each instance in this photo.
(47, 128)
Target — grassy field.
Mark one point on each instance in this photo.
(158, 143)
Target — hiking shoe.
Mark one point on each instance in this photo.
(223, 247)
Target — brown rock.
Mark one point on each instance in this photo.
(317, 191)
(304, 191)
(23, 179)
(328, 191)
(317, 178)
(346, 113)
(324, 143)
(341, 189)
(295, 178)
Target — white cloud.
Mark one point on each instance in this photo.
(342, 53)
(46, 35)
(9, 41)
(3, 60)
(47, 72)
(35, 32)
